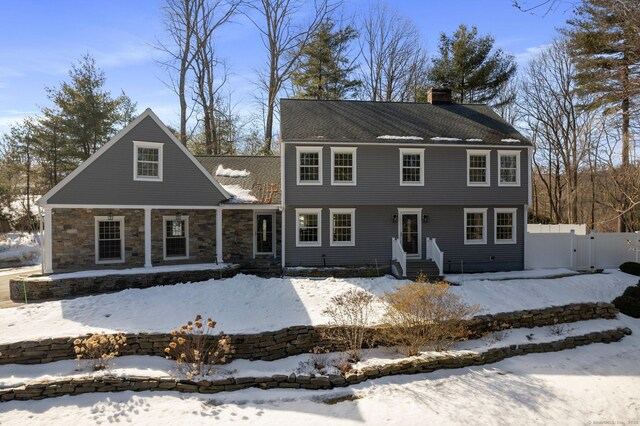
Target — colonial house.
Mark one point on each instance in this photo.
(413, 186)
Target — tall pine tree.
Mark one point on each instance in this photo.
(325, 69)
(468, 64)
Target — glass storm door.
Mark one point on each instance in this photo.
(410, 237)
(264, 234)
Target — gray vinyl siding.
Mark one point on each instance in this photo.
(374, 229)
(109, 179)
(378, 179)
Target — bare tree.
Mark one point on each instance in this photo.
(284, 40)
(560, 129)
(393, 61)
(210, 15)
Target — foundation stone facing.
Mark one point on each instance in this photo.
(202, 236)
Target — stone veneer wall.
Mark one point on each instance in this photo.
(202, 236)
(295, 340)
(80, 385)
(74, 235)
(237, 234)
(67, 288)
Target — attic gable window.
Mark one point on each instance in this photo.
(478, 167)
(147, 161)
(309, 165)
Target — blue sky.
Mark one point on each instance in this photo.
(39, 40)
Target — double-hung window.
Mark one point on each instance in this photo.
(509, 168)
(505, 223)
(342, 227)
(109, 239)
(309, 164)
(343, 166)
(308, 227)
(411, 166)
(147, 161)
(475, 226)
(176, 237)
(478, 168)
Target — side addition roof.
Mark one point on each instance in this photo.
(106, 178)
(249, 179)
(386, 122)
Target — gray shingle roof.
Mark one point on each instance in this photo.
(361, 121)
(263, 179)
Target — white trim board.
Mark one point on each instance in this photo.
(405, 144)
(154, 207)
(147, 113)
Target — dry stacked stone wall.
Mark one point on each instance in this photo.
(68, 288)
(79, 385)
(294, 340)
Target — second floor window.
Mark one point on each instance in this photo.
(309, 165)
(411, 166)
(147, 161)
(509, 170)
(343, 166)
(478, 168)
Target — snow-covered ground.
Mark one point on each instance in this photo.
(19, 249)
(12, 375)
(595, 384)
(249, 304)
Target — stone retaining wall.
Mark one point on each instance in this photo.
(339, 272)
(68, 288)
(295, 340)
(80, 385)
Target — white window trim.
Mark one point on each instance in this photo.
(351, 243)
(166, 219)
(484, 226)
(309, 243)
(97, 239)
(510, 154)
(403, 211)
(514, 226)
(487, 154)
(413, 151)
(344, 150)
(312, 149)
(255, 233)
(154, 145)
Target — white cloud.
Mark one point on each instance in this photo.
(523, 58)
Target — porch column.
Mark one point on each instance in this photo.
(47, 251)
(219, 235)
(147, 237)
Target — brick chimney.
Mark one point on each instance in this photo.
(439, 95)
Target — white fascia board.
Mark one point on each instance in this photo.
(168, 207)
(42, 201)
(404, 144)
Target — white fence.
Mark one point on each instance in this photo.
(557, 228)
(581, 252)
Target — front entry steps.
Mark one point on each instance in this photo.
(421, 266)
(265, 268)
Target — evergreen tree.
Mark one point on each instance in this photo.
(605, 38)
(468, 64)
(84, 112)
(325, 70)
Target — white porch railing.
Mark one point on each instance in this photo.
(434, 253)
(399, 255)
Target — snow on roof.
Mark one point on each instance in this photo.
(239, 195)
(443, 138)
(221, 171)
(413, 138)
(510, 140)
(473, 140)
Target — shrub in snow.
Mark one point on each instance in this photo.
(632, 268)
(195, 349)
(422, 315)
(559, 329)
(321, 362)
(633, 292)
(349, 315)
(98, 349)
(499, 335)
(628, 305)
